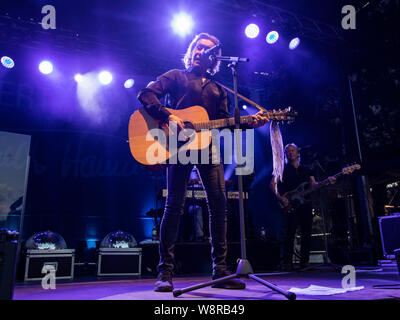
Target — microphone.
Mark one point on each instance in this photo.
(210, 52)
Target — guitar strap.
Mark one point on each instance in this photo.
(242, 97)
(276, 140)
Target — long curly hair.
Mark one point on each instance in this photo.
(187, 59)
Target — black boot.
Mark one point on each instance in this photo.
(164, 282)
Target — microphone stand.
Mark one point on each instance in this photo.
(244, 268)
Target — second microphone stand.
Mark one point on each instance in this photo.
(244, 268)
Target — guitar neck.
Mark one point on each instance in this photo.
(325, 182)
(220, 123)
(321, 184)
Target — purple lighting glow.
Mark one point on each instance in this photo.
(252, 31)
(105, 77)
(78, 77)
(182, 24)
(294, 43)
(46, 67)
(129, 83)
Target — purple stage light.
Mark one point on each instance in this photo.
(252, 31)
(7, 62)
(87, 93)
(129, 83)
(294, 43)
(182, 24)
(78, 77)
(46, 67)
(105, 77)
(244, 107)
(272, 37)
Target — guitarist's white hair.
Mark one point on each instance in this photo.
(187, 59)
(297, 148)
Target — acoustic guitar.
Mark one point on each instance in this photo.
(150, 136)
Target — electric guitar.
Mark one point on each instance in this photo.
(149, 139)
(300, 195)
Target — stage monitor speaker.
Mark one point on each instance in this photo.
(14, 168)
(389, 227)
(8, 253)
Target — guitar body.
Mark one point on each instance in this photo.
(143, 140)
(296, 197)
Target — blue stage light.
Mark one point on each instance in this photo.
(129, 83)
(182, 24)
(46, 67)
(252, 31)
(7, 62)
(294, 43)
(272, 37)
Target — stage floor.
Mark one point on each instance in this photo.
(142, 288)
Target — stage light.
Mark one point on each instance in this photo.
(244, 107)
(105, 77)
(46, 67)
(182, 24)
(118, 239)
(272, 37)
(129, 83)
(252, 31)
(294, 43)
(78, 77)
(46, 240)
(7, 62)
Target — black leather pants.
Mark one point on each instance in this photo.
(212, 177)
(303, 217)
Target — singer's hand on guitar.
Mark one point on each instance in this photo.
(177, 120)
(259, 119)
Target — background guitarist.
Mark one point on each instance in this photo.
(293, 175)
(189, 87)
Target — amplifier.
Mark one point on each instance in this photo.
(62, 260)
(389, 227)
(119, 262)
(8, 256)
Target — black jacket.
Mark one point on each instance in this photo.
(185, 89)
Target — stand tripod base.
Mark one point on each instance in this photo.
(244, 269)
(325, 264)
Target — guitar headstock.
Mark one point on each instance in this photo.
(350, 169)
(287, 114)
